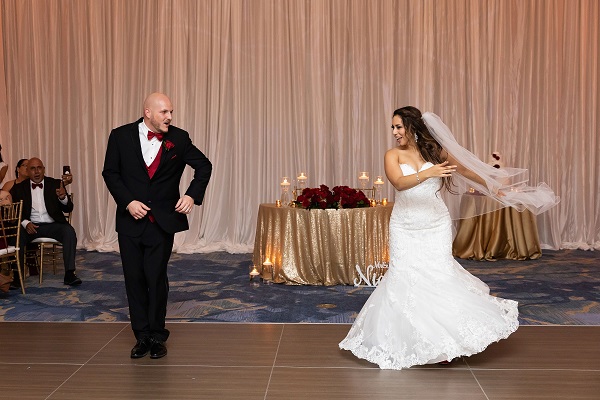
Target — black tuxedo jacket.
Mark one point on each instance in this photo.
(127, 178)
(22, 191)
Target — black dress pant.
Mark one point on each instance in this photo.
(63, 232)
(145, 261)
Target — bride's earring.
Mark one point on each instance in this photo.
(416, 137)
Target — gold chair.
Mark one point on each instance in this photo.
(49, 247)
(10, 232)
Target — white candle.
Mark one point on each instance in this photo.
(269, 269)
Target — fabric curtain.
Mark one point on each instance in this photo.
(272, 88)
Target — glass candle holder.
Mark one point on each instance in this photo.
(267, 270)
(254, 272)
(301, 181)
(363, 180)
(285, 191)
(378, 184)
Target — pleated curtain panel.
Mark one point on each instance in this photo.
(272, 88)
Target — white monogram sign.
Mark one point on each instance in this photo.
(371, 276)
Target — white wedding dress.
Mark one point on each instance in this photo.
(427, 308)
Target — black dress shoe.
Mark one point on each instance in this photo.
(141, 348)
(158, 349)
(71, 279)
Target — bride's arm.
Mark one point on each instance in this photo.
(401, 182)
(394, 174)
(464, 171)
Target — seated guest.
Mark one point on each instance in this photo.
(45, 201)
(20, 172)
(5, 198)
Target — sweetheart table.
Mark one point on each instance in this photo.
(322, 247)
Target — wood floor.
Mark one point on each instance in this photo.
(283, 361)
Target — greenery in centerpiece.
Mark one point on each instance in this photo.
(339, 197)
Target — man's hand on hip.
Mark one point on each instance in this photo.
(184, 205)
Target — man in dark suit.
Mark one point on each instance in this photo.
(142, 169)
(45, 202)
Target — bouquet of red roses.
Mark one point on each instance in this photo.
(350, 198)
(339, 197)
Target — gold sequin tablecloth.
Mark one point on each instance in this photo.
(502, 234)
(320, 247)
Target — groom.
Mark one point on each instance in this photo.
(142, 169)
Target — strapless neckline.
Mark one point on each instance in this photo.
(420, 169)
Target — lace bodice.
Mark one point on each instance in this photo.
(421, 205)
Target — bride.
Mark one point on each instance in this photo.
(427, 308)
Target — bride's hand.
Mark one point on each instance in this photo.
(442, 170)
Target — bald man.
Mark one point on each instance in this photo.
(142, 169)
(45, 202)
(5, 197)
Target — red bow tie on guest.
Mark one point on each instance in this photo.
(158, 135)
(37, 185)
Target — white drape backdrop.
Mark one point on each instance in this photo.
(270, 88)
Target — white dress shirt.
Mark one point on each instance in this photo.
(151, 147)
(39, 213)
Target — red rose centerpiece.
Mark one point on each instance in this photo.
(339, 197)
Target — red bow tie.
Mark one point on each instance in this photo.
(37, 185)
(158, 135)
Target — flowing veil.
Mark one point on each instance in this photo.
(505, 187)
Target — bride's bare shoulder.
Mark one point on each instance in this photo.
(393, 152)
(398, 155)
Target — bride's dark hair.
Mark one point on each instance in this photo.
(428, 147)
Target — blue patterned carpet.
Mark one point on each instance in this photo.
(563, 287)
